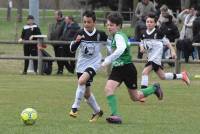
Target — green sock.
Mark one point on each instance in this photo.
(112, 102)
(148, 91)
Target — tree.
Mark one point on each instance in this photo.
(57, 2)
(120, 5)
(19, 10)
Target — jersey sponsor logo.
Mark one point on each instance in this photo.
(88, 49)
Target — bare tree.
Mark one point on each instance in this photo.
(120, 5)
(19, 10)
(57, 2)
(9, 8)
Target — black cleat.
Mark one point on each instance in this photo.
(96, 116)
(158, 92)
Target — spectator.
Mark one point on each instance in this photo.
(55, 34)
(140, 28)
(196, 31)
(170, 30)
(165, 10)
(187, 16)
(30, 49)
(143, 8)
(70, 30)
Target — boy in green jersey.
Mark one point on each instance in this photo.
(123, 70)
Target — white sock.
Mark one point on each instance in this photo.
(179, 76)
(169, 76)
(145, 80)
(91, 101)
(80, 91)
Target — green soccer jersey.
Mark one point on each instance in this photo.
(125, 58)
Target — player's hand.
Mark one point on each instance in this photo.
(31, 37)
(20, 40)
(79, 37)
(173, 55)
(142, 50)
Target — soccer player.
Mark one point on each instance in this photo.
(153, 41)
(89, 61)
(123, 70)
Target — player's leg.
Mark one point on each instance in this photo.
(110, 88)
(80, 91)
(145, 75)
(172, 76)
(91, 101)
(130, 80)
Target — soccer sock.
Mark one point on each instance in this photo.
(148, 91)
(179, 76)
(112, 102)
(91, 101)
(144, 81)
(169, 76)
(172, 76)
(80, 91)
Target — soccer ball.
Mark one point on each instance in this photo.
(29, 116)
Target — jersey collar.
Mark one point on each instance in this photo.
(150, 32)
(90, 34)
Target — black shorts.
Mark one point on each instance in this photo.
(127, 74)
(91, 72)
(154, 66)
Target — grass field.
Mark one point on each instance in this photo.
(53, 95)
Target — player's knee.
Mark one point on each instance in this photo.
(134, 98)
(144, 73)
(81, 82)
(108, 91)
(87, 95)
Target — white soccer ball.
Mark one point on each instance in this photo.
(29, 116)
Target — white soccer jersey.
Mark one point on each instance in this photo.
(153, 42)
(90, 50)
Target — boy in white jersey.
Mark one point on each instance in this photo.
(123, 70)
(153, 41)
(89, 61)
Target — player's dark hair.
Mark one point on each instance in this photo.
(115, 18)
(91, 14)
(153, 16)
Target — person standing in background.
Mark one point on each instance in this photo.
(55, 34)
(30, 49)
(143, 8)
(70, 30)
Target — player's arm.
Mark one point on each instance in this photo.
(168, 44)
(75, 44)
(121, 46)
(141, 45)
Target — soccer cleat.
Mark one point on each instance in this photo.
(114, 119)
(158, 92)
(96, 116)
(185, 78)
(73, 113)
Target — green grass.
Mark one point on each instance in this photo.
(52, 96)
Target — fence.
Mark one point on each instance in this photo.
(178, 61)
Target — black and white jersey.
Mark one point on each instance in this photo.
(89, 49)
(153, 41)
(29, 30)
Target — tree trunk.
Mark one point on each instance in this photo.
(120, 5)
(57, 2)
(9, 8)
(19, 10)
